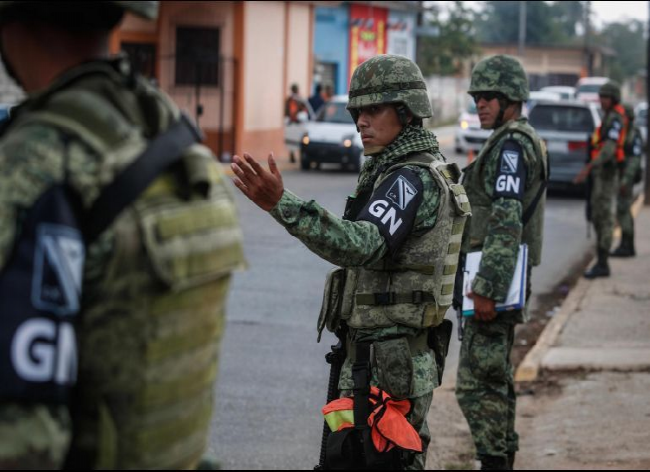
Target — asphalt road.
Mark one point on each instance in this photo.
(273, 377)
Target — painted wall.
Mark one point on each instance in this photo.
(298, 48)
(401, 34)
(332, 42)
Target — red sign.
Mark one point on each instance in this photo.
(367, 33)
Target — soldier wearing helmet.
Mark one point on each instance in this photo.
(629, 175)
(607, 153)
(506, 188)
(109, 326)
(396, 245)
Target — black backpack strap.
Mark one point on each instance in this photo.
(164, 150)
(528, 214)
(361, 376)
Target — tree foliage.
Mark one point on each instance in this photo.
(456, 41)
(628, 42)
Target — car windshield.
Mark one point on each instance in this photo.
(334, 112)
(589, 88)
(553, 117)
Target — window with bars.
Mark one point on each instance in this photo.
(197, 56)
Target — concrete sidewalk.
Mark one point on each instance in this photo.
(587, 406)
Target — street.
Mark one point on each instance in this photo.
(273, 376)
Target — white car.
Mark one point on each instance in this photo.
(566, 93)
(469, 135)
(587, 88)
(331, 138)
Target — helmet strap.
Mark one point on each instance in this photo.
(503, 104)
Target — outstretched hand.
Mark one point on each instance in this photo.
(262, 187)
(584, 173)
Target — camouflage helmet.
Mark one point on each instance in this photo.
(611, 89)
(500, 73)
(389, 78)
(144, 9)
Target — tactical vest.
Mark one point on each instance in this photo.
(152, 311)
(481, 201)
(597, 141)
(415, 286)
(629, 146)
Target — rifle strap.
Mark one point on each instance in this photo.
(361, 378)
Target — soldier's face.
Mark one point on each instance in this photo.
(606, 102)
(379, 125)
(488, 110)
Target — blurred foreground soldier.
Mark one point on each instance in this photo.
(607, 152)
(117, 240)
(629, 175)
(506, 188)
(396, 247)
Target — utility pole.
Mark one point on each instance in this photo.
(589, 63)
(647, 98)
(522, 28)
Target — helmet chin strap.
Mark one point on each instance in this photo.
(503, 104)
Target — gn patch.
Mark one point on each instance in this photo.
(512, 172)
(614, 131)
(393, 206)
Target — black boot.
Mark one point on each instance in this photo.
(511, 461)
(626, 249)
(494, 463)
(601, 268)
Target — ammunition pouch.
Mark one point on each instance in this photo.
(330, 312)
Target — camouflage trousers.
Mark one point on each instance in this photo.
(602, 206)
(624, 212)
(485, 386)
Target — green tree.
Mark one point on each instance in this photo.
(456, 41)
(628, 42)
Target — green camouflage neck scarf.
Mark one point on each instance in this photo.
(411, 139)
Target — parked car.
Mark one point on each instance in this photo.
(587, 88)
(566, 127)
(537, 96)
(332, 138)
(293, 132)
(565, 92)
(469, 134)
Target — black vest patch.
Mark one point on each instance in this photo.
(512, 172)
(393, 206)
(40, 292)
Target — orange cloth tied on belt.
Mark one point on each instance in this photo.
(387, 420)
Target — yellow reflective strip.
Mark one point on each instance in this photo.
(336, 419)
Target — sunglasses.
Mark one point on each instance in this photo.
(487, 96)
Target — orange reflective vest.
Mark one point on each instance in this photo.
(387, 420)
(597, 139)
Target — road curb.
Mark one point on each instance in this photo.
(530, 367)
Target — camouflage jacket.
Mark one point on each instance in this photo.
(132, 290)
(359, 243)
(613, 124)
(500, 184)
(633, 155)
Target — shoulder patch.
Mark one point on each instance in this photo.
(512, 172)
(614, 131)
(393, 206)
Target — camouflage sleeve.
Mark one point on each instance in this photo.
(507, 174)
(633, 161)
(341, 242)
(33, 437)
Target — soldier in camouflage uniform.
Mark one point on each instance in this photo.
(397, 245)
(629, 174)
(607, 151)
(506, 189)
(149, 319)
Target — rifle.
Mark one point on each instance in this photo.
(457, 301)
(335, 359)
